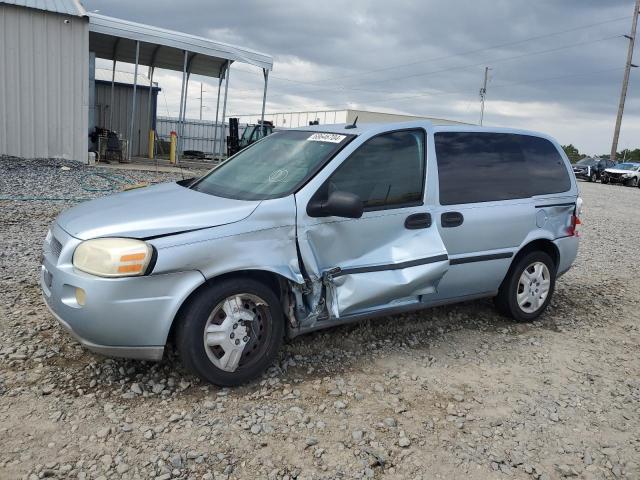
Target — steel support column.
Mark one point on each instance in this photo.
(265, 72)
(224, 106)
(113, 82)
(182, 100)
(152, 70)
(149, 110)
(133, 103)
(221, 74)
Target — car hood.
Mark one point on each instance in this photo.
(618, 170)
(151, 211)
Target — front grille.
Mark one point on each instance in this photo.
(615, 175)
(56, 247)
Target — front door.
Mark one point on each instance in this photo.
(393, 255)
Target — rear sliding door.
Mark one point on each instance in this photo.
(488, 184)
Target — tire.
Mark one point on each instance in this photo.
(252, 333)
(604, 180)
(593, 178)
(508, 295)
(633, 182)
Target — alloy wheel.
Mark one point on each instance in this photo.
(533, 287)
(236, 331)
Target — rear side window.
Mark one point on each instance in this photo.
(483, 167)
(385, 172)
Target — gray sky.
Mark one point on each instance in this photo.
(423, 57)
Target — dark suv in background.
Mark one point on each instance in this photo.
(590, 168)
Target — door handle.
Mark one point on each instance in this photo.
(451, 219)
(418, 220)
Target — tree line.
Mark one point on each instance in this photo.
(628, 155)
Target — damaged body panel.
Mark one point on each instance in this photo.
(369, 262)
(391, 255)
(266, 243)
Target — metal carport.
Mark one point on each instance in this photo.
(125, 41)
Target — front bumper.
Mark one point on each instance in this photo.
(121, 317)
(139, 353)
(616, 179)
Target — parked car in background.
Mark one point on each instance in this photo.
(627, 173)
(311, 228)
(591, 168)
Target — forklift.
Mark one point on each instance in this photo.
(251, 134)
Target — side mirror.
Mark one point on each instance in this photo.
(339, 204)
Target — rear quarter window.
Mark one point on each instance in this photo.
(482, 167)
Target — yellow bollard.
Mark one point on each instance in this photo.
(172, 148)
(152, 140)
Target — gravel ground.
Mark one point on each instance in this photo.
(452, 392)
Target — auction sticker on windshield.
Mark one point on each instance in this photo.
(326, 137)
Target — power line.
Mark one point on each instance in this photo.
(499, 60)
(444, 57)
(457, 92)
(503, 45)
(449, 69)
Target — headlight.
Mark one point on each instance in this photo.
(113, 257)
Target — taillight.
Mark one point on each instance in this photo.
(572, 231)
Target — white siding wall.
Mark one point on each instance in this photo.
(44, 84)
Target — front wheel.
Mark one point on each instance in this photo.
(528, 287)
(593, 178)
(604, 180)
(633, 182)
(231, 331)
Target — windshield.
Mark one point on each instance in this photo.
(273, 167)
(587, 161)
(627, 166)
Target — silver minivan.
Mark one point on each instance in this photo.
(311, 228)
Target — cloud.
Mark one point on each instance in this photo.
(423, 58)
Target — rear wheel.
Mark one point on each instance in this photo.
(527, 290)
(231, 331)
(593, 178)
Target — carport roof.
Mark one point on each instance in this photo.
(111, 38)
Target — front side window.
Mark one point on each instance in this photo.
(478, 167)
(387, 171)
(274, 167)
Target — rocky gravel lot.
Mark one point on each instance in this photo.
(453, 392)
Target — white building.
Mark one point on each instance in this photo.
(301, 119)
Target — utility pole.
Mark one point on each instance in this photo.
(483, 92)
(625, 81)
(203, 91)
